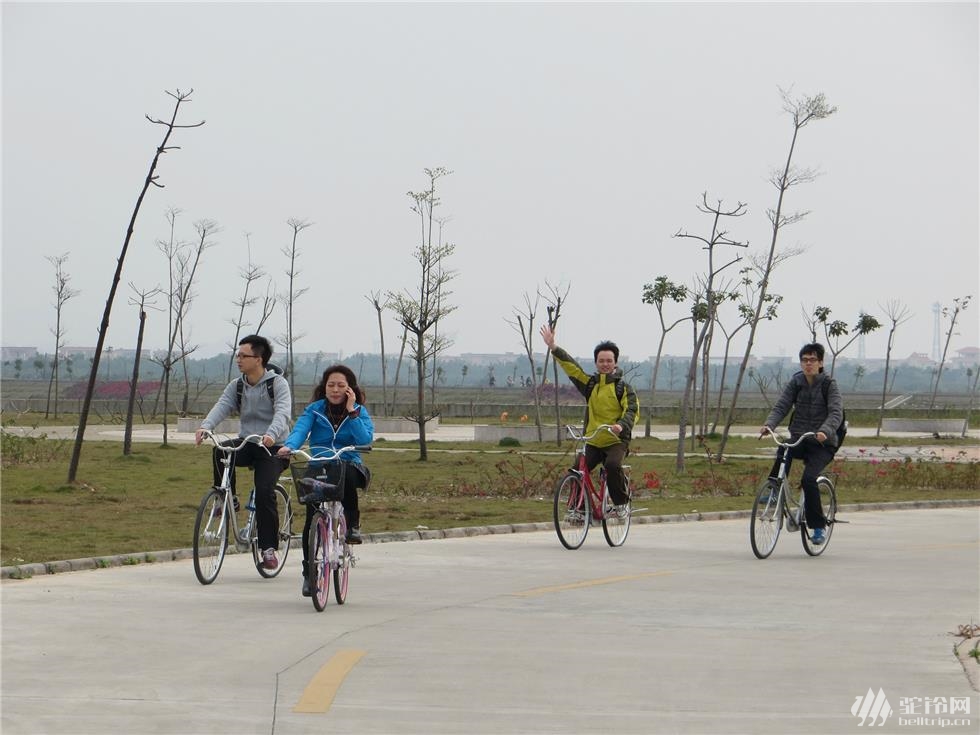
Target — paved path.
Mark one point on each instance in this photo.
(861, 442)
(681, 630)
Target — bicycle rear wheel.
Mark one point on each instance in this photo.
(767, 519)
(210, 536)
(616, 524)
(341, 573)
(572, 511)
(284, 511)
(319, 560)
(828, 504)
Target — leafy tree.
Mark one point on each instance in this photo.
(151, 179)
(836, 330)
(658, 293)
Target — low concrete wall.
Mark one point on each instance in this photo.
(925, 426)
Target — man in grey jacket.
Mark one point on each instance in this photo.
(261, 411)
(814, 409)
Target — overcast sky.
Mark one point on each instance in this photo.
(581, 138)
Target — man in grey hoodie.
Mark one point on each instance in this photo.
(817, 408)
(262, 410)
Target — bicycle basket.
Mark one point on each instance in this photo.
(317, 482)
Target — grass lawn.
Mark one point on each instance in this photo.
(147, 501)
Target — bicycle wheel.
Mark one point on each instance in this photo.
(572, 511)
(616, 524)
(210, 536)
(767, 520)
(319, 560)
(828, 504)
(284, 511)
(341, 572)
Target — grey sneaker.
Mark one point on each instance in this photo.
(618, 511)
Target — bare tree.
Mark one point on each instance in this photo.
(523, 322)
(62, 294)
(291, 337)
(951, 313)
(170, 248)
(205, 230)
(835, 331)
(658, 293)
(420, 311)
(555, 298)
(143, 302)
(151, 179)
(973, 396)
(897, 314)
(703, 310)
(435, 371)
(250, 273)
(803, 111)
(268, 305)
(380, 305)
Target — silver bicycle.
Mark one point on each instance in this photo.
(775, 506)
(217, 521)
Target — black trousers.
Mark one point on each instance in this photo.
(355, 476)
(815, 458)
(267, 469)
(612, 459)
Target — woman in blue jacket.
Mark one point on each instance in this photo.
(337, 418)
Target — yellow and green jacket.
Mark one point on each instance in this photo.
(605, 403)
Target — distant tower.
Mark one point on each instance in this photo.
(937, 310)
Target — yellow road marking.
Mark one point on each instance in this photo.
(588, 583)
(319, 693)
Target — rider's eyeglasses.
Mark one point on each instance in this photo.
(241, 355)
(809, 360)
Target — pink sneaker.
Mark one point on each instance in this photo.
(269, 560)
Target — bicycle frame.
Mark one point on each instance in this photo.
(580, 502)
(775, 506)
(243, 535)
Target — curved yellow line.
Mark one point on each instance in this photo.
(319, 693)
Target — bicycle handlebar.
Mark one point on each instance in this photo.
(578, 436)
(228, 449)
(329, 454)
(775, 438)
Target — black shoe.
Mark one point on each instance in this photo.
(354, 535)
(238, 506)
(307, 592)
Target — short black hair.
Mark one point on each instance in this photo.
(814, 348)
(603, 346)
(260, 345)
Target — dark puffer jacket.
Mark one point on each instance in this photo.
(810, 411)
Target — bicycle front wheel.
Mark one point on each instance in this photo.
(828, 504)
(319, 560)
(616, 523)
(572, 511)
(341, 572)
(767, 519)
(210, 537)
(284, 512)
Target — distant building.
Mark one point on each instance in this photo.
(18, 353)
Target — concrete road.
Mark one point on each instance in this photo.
(681, 630)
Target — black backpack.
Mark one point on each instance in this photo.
(240, 387)
(842, 429)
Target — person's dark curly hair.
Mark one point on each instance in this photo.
(320, 391)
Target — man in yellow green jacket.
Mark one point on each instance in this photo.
(609, 400)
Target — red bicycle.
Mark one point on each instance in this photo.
(579, 503)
